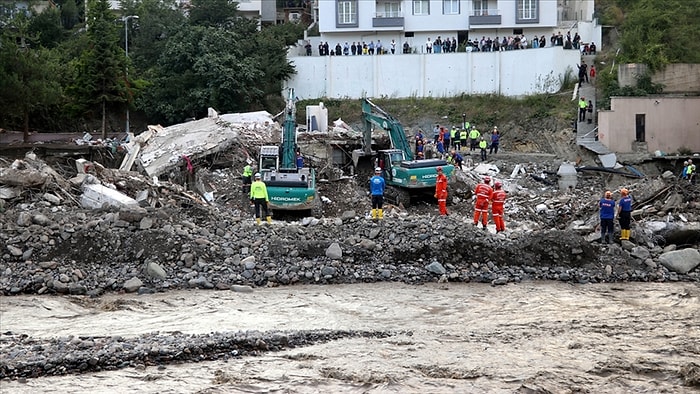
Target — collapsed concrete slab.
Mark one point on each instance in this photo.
(96, 196)
(166, 147)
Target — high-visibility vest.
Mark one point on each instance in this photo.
(463, 135)
(247, 171)
(474, 134)
(259, 190)
(483, 144)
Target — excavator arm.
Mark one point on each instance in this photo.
(289, 135)
(373, 115)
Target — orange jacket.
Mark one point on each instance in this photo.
(441, 186)
(483, 192)
(498, 198)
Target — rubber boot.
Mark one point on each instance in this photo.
(623, 235)
(258, 221)
(374, 213)
(269, 219)
(381, 213)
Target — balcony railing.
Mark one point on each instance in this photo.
(485, 17)
(388, 19)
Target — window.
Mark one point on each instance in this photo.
(421, 7)
(347, 12)
(450, 7)
(392, 10)
(481, 7)
(526, 10)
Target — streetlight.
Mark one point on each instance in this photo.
(464, 120)
(126, 49)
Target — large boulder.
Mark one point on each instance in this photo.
(681, 261)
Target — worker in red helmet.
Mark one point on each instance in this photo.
(483, 192)
(441, 191)
(498, 199)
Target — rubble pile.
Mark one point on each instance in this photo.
(173, 238)
(170, 217)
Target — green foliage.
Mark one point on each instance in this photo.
(213, 12)
(657, 33)
(202, 67)
(26, 75)
(47, 27)
(99, 81)
(70, 14)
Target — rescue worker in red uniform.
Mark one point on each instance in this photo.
(483, 192)
(498, 198)
(441, 192)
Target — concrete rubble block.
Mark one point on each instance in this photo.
(334, 251)
(155, 271)
(96, 196)
(681, 261)
(52, 198)
(436, 268)
(7, 193)
(132, 285)
(142, 198)
(486, 169)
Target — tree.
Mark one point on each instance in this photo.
(657, 33)
(201, 67)
(213, 12)
(100, 76)
(47, 27)
(27, 71)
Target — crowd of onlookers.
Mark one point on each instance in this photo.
(450, 45)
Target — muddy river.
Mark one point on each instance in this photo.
(452, 338)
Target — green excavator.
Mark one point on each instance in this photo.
(289, 187)
(405, 177)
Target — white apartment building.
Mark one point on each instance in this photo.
(416, 21)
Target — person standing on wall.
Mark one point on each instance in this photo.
(259, 197)
(376, 188)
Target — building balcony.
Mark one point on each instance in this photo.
(391, 19)
(485, 17)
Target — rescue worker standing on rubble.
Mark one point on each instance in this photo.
(259, 197)
(441, 191)
(498, 199)
(483, 193)
(247, 177)
(376, 188)
(474, 136)
(607, 215)
(624, 214)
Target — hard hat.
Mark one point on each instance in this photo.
(378, 169)
(487, 179)
(257, 175)
(624, 191)
(497, 185)
(608, 193)
(439, 168)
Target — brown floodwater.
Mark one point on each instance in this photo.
(535, 337)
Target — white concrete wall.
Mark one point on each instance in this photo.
(511, 73)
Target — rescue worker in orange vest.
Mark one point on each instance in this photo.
(498, 198)
(483, 192)
(441, 191)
